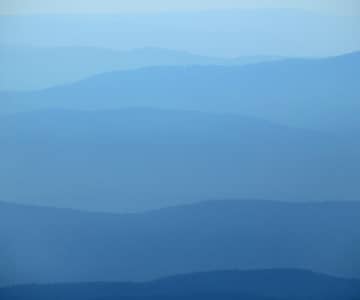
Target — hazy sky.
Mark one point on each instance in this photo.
(347, 7)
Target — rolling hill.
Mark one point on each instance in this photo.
(226, 285)
(317, 94)
(48, 245)
(26, 68)
(139, 159)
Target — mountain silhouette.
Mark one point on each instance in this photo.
(271, 284)
(26, 68)
(316, 93)
(139, 159)
(47, 245)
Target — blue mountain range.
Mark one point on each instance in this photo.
(318, 94)
(29, 68)
(281, 284)
(47, 245)
(140, 159)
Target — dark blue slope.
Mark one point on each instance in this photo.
(50, 245)
(245, 285)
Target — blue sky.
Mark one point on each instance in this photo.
(341, 7)
(207, 27)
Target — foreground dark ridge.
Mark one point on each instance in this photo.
(56, 245)
(282, 284)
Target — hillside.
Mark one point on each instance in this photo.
(46, 245)
(26, 68)
(318, 94)
(226, 285)
(139, 159)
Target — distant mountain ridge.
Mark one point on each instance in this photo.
(26, 68)
(317, 94)
(47, 245)
(224, 285)
(142, 158)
